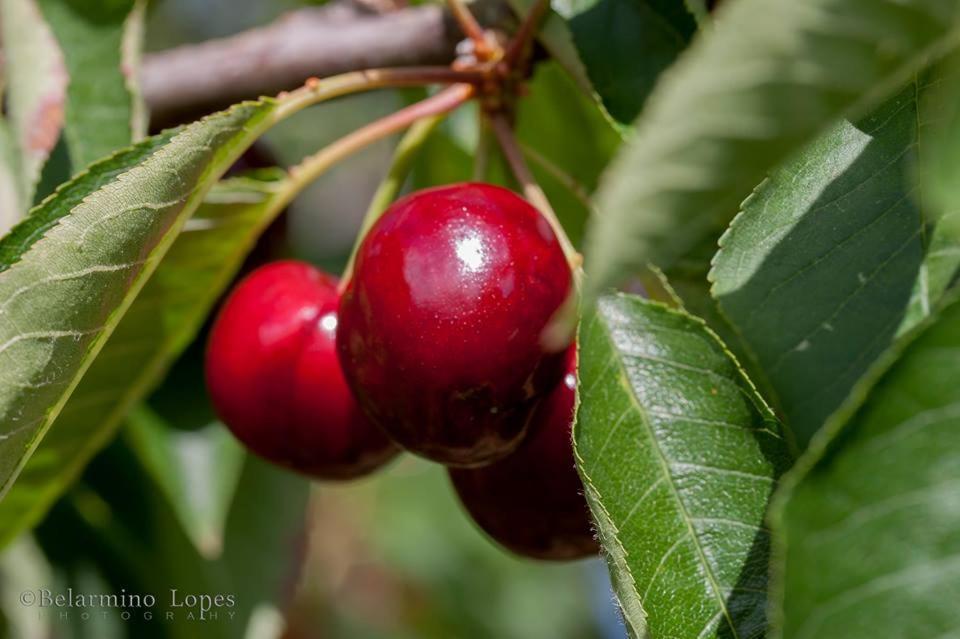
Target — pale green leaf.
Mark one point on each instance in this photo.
(100, 104)
(70, 271)
(938, 174)
(867, 527)
(753, 89)
(679, 456)
(161, 322)
(10, 211)
(197, 470)
(36, 91)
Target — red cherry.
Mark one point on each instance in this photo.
(274, 378)
(532, 501)
(440, 326)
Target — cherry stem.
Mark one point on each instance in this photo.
(403, 157)
(525, 33)
(444, 101)
(531, 190)
(577, 189)
(468, 24)
(562, 326)
(316, 90)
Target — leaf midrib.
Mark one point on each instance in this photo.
(665, 466)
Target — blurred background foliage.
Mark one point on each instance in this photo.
(174, 502)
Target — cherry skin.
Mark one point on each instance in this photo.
(275, 380)
(441, 323)
(532, 501)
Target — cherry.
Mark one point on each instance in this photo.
(275, 381)
(532, 501)
(440, 326)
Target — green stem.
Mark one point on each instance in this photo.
(316, 91)
(531, 190)
(561, 329)
(577, 189)
(313, 166)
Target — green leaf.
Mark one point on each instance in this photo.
(867, 527)
(196, 470)
(568, 167)
(626, 44)
(129, 528)
(755, 87)
(97, 49)
(939, 169)
(10, 211)
(161, 322)
(74, 267)
(23, 567)
(36, 91)
(679, 456)
(817, 271)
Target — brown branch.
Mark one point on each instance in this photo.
(188, 81)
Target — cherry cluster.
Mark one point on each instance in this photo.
(435, 344)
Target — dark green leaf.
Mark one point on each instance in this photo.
(817, 271)
(679, 456)
(868, 524)
(568, 167)
(758, 85)
(626, 44)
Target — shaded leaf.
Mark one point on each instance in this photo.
(755, 87)
(868, 525)
(679, 456)
(817, 271)
(161, 322)
(568, 167)
(196, 470)
(129, 529)
(938, 174)
(626, 44)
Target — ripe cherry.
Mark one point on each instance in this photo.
(532, 501)
(440, 326)
(274, 378)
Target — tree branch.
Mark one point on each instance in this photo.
(187, 81)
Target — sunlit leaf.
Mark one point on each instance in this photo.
(679, 456)
(159, 325)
